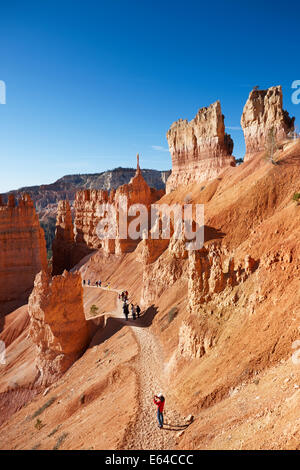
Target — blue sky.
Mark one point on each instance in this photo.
(91, 83)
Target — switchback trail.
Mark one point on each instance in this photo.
(145, 434)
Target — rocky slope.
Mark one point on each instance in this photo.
(200, 149)
(219, 333)
(226, 320)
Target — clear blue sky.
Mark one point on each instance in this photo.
(91, 83)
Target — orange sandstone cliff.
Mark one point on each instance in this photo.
(57, 323)
(22, 251)
(200, 149)
(262, 112)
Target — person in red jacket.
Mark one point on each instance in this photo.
(159, 401)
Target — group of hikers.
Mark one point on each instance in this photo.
(96, 284)
(134, 309)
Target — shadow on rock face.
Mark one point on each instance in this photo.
(113, 325)
(147, 317)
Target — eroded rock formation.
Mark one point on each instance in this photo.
(262, 112)
(87, 214)
(200, 149)
(22, 251)
(208, 274)
(57, 323)
(63, 244)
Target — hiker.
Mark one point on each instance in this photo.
(89, 282)
(99, 283)
(133, 312)
(96, 283)
(138, 311)
(125, 310)
(83, 282)
(159, 401)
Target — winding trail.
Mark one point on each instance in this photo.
(145, 433)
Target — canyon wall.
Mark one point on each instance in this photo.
(67, 252)
(200, 149)
(262, 112)
(57, 323)
(22, 251)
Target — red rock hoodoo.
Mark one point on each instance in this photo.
(262, 112)
(22, 251)
(57, 323)
(200, 149)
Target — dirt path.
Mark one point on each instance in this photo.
(150, 371)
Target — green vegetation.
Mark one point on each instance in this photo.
(168, 318)
(46, 405)
(54, 430)
(38, 424)
(271, 146)
(49, 229)
(94, 310)
(172, 314)
(296, 197)
(60, 440)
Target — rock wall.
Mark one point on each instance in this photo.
(63, 244)
(200, 149)
(87, 215)
(22, 251)
(263, 111)
(209, 274)
(57, 323)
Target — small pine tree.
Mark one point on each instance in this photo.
(271, 145)
(94, 310)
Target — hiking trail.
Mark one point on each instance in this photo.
(145, 434)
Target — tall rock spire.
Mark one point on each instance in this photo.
(138, 170)
(200, 148)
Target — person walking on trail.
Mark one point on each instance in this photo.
(99, 283)
(133, 312)
(89, 282)
(138, 311)
(125, 310)
(159, 401)
(83, 282)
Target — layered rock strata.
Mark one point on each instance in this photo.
(200, 149)
(263, 112)
(22, 251)
(57, 323)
